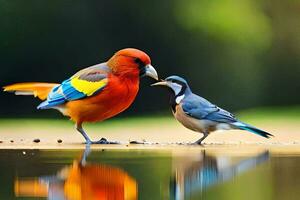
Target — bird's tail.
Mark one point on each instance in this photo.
(252, 129)
(39, 90)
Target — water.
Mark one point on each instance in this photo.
(183, 173)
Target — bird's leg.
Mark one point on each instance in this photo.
(86, 137)
(85, 154)
(88, 141)
(199, 142)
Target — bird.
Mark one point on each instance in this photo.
(198, 114)
(95, 93)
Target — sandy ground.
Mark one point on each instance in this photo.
(161, 135)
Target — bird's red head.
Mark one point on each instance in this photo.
(131, 62)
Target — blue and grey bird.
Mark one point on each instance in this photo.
(198, 114)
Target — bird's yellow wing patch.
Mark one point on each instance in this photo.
(88, 87)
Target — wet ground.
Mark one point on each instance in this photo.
(143, 172)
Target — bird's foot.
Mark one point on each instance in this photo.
(136, 142)
(200, 141)
(197, 143)
(105, 141)
(139, 142)
(101, 141)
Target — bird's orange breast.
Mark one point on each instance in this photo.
(117, 96)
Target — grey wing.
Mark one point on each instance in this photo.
(102, 68)
(198, 107)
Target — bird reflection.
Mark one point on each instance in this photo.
(195, 175)
(80, 181)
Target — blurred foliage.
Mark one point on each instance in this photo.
(238, 54)
(240, 22)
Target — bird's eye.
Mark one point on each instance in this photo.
(139, 62)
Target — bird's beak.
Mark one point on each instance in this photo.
(161, 83)
(151, 72)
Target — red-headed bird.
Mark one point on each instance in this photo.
(95, 93)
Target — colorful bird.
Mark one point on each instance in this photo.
(198, 114)
(95, 93)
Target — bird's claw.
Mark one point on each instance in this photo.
(197, 143)
(105, 141)
(101, 141)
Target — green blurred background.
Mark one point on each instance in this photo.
(237, 53)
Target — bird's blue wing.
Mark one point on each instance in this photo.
(197, 107)
(85, 83)
(221, 116)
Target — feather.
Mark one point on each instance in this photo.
(39, 90)
(88, 87)
(86, 83)
(197, 107)
(24, 93)
(252, 129)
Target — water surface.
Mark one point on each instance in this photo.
(148, 174)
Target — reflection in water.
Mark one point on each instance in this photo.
(199, 173)
(80, 181)
(191, 172)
